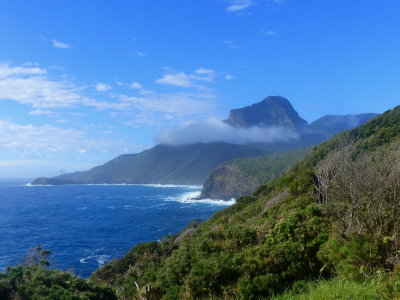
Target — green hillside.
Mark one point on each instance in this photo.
(182, 164)
(192, 163)
(335, 214)
(242, 176)
(328, 229)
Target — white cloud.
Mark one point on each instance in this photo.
(145, 92)
(40, 92)
(33, 86)
(140, 53)
(39, 112)
(228, 77)
(102, 87)
(178, 79)
(139, 87)
(204, 75)
(61, 45)
(213, 130)
(46, 94)
(237, 5)
(136, 85)
(143, 118)
(42, 150)
(7, 71)
(28, 141)
(174, 104)
(181, 79)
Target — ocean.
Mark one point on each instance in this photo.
(85, 226)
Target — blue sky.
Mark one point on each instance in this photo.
(84, 81)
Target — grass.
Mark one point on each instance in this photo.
(337, 288)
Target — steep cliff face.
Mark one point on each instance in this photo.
(241, 177)
(226, 182)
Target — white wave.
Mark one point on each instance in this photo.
(104, 184)
(157, 185)
(100, 259)
(193, 198)
(172, 186)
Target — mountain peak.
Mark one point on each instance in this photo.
(272, 111)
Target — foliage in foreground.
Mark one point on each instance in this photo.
(33, 280)
(336, 213)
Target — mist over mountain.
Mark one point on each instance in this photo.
(187, 154)
(214, 130)
(272, 124)
(242, 176)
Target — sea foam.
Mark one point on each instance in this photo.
(100, 259)
(193, 198)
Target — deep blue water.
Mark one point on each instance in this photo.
(86, 226)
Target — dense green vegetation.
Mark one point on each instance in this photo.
(183, 164)
(327, 229)
(191, 163)
(335, 214)
(33, 280)
(242, 176)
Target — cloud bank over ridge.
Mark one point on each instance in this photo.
(214, 130)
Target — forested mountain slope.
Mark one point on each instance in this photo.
(191, 163)
(183, 164)
(336, 213)
(242, 176)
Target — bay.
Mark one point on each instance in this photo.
(85, 226)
